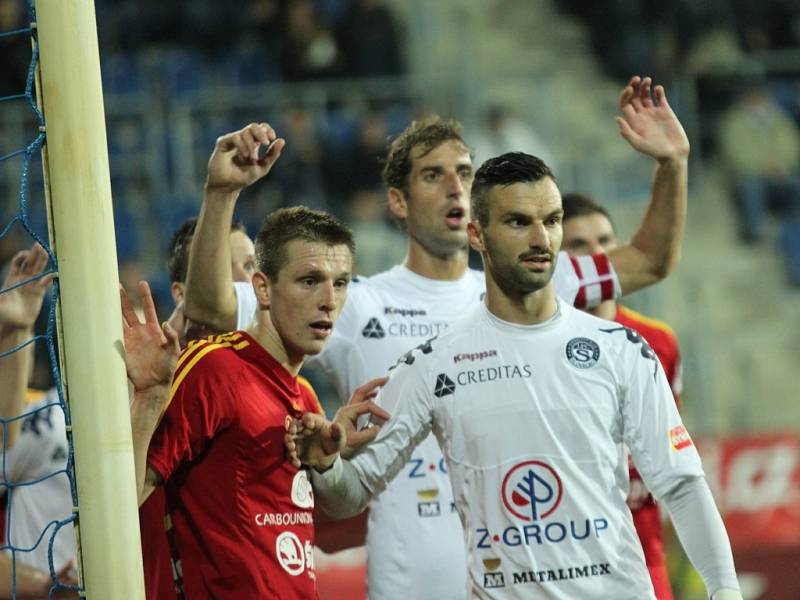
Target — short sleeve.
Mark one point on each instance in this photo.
(662, 449)
(246, 304)
(202, 403)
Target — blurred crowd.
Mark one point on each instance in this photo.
(750, 114)
(160, 58)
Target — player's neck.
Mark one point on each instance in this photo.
(605, 310)
(263, 330)
(528, 309)
(442, 268)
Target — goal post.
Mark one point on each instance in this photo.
(90, 334)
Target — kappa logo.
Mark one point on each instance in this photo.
(444, 386)
(634, 337)
(373, 330)
(531, 490)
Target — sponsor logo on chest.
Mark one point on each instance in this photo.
(376, 328)
(531, 494)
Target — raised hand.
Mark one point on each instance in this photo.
(649, 124)
(361, 404)
(235, 162)
(20, 306)
(313, 440)
(151, 350)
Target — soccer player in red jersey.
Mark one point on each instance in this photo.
(153, 518)
(241, 514)
(588, 229)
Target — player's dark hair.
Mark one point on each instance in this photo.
(426, 135)
(506, 169)
(578, 205)
(296, 223)
(178, 251)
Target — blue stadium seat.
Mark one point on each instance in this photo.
(181, 72)
(252, 66)
(122, 75)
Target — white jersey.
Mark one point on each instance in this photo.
(40, 455)
(532, 421)
(414, 540)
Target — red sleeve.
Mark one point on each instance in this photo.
(201, 403)
(675, 374)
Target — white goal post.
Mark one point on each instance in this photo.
(90, 333)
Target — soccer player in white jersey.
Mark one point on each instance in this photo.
(531, 401)
(414, 538)
(34, 447)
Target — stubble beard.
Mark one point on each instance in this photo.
(438, 246)
(514, 279)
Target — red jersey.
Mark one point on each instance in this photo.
(159, 584)
(241, 514)
(647, 519)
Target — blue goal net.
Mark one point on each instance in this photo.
(37, 487)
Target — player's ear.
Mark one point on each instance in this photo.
(398, 205)
(261, 285)
(177, 290)
(475, 236)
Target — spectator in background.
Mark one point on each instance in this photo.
(360, 169)
(503, 132)
(370, 40)
(760, 148)
(380, 244)
(300, 176)
(15, 50)
(309, 49)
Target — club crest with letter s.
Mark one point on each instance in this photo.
(582, 352)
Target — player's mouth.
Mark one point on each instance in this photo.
(455, 217)
(322, 328)
(537, 262)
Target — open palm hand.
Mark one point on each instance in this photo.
(648, 122)
(151, 350)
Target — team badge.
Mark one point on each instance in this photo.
(582, 352)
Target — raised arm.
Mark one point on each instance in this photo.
(234, 165)
(18, 311)
(151, 354)
(651, 127)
